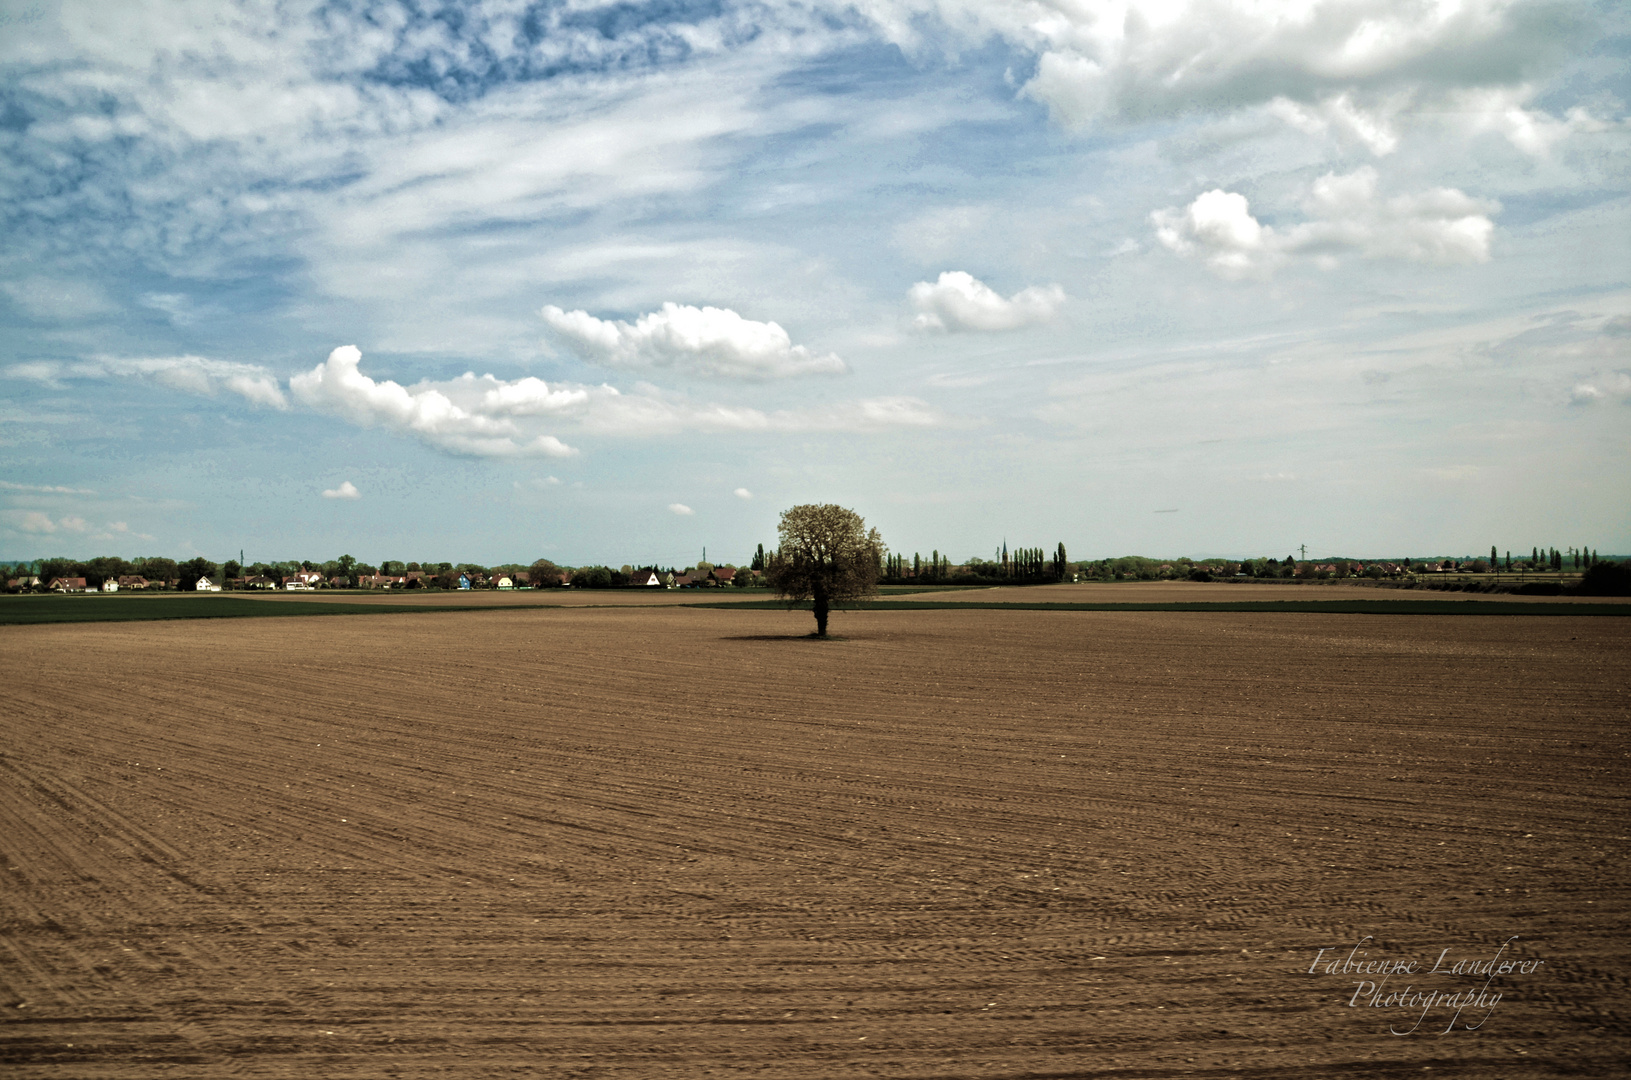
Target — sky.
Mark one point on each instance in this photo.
(617, 282)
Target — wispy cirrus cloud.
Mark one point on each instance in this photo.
(44, 489)
(191, 374)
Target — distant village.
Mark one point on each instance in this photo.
(110, 574)
(312, 579)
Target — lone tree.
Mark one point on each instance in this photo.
(827, 554)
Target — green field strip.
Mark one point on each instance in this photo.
(38, 610)
(1326, 607)
(31, 610)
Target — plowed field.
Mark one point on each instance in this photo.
(670, 842)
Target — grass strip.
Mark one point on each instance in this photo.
(36, 610)
(33, 610)
(1326, 607)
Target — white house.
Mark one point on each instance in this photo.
(206, 585)
(110, 585)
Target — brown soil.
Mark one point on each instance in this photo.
(1191, 592)
(633, 843)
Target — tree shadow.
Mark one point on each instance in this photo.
(784, 637)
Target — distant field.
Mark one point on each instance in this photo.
(1130, 596)
(16, 610)
(1327, 607)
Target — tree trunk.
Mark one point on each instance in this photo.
(819, 605)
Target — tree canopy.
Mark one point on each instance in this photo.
(827, 555)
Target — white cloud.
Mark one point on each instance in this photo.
(489, 417)
(1603, 386)
(681, 509)
(1374, 128)
(346, 490)
(708, 341)
(743, 493)
(1441, 226)
(1502, 109)
(120, 530)
(1219, 228)
(58, 299)
(937, 233)
(337, 386)
(652, 412)
(49, 489)
(1128, 60)
(33, 521)
(1463, 112)
(529, 397)
(1363, 70)
(189, 374)
(960, 301)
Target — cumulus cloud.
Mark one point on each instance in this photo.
(483, 416)
(528, 397)
(960, 301)
(1346, 215)
(743, 493)
(681, 509)
(346, 490)
(40, 524)
(189, 374)
(1217, 227)
(1123, 60)
(33, 521)
(1603, 386)
(710, 342)
(338, 386)
(1360, 70)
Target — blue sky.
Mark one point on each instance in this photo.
(611, 282)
